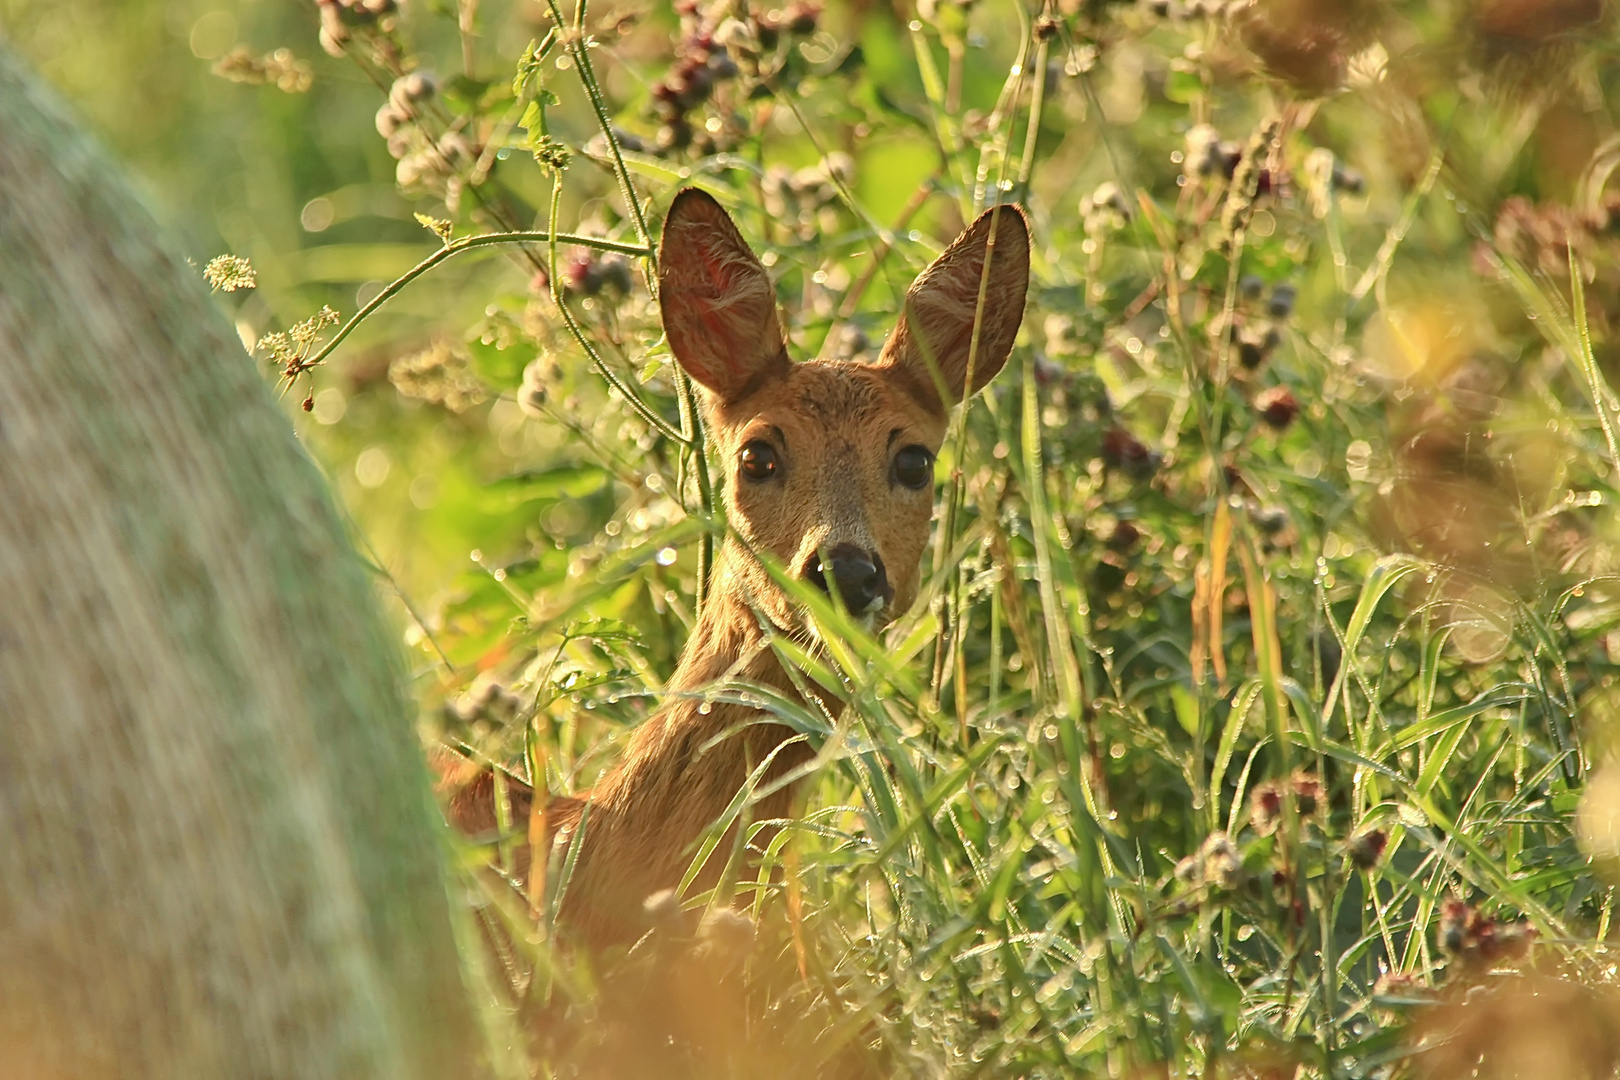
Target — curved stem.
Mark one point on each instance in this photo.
(587, 76)
(456, 247)
(633, 399)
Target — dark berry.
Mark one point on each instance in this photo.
(1282, 301)
(1366, 848)
(1307, 794)
(1265, 806)
(802, 19)
(1124, 537)
(1277, 407)
(1122, 450)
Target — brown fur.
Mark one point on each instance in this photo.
(835, 428)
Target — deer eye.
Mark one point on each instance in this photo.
(914, 467)
(758, 460)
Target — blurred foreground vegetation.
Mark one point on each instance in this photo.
(1264, 686)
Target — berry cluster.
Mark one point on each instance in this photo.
(1125, 452)
(1217, 864)
(715, 48)
(1104, 209)
(585, 274)
(1326, 176)
(437, 165)
(1478, 940)
(1266, 802)
(701, 64)
(340, 18)
(407, 98)
(797, 199)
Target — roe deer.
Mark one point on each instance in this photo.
(830, 470)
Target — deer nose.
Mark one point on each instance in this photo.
(859, 575)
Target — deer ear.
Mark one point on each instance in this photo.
(932, 343)
(718, 304)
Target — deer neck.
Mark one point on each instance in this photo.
(729, 640)
(694, 753)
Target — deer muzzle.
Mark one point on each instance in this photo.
(857, 574)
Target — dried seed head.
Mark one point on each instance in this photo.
(389, 119)
(1307, 793)
(802, 18)
(1124, 451)
(532, 393)
(334, 32)
(279, 68)
(552, 153)
(411, 89)
(1208, 155)
(1265, 806)
(1366, 848)
(734, 34)
(1217, 863)
(1255, 344)
(1277, 407)
(727, 932)
(1270, 520)
(662, 910)
(440, 375)
(1481, 940)
(1124, 536)
(1222, 866)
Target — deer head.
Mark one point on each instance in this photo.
(830, 464)
(829, 470)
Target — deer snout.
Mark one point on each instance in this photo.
(859, 575)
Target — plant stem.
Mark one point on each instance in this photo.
(456, 247)
(587, 76)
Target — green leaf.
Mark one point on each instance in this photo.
(559, 482)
